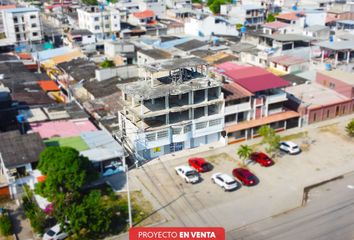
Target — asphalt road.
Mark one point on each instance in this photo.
(328, 215)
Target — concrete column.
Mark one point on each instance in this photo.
(192, 98)
(167, 119)
(141, 107)
(336, 59)
(285, 124)
(153, 100)
(206, 111)
(206, 95)
(167, 105)
(348, 57)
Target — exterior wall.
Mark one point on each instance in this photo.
(27, 28)
(208, 26)
(316, 18)
(112, 49)
(102, 24)
(159, 7)
(289, 69)
(143, 59)
(330, 111)
(335, 84)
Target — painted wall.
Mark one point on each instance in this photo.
(335, 84)
(330, 111)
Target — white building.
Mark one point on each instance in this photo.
(22, 25)
(179, 3)
(158, 6)
(210, 25)
(251, 14)
(176, 106)
(101, 22)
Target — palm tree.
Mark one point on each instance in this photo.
(350, 128)
(244, 152)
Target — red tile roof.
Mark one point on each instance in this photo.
(254, 79)
(7, 6)
(144, 14)
(290, 15)
(288, 60)
(48, 85)
(275, 25)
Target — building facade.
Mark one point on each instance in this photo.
(177, 106)
(102, 22)
(22, 25)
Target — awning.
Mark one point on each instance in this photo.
(262, 121)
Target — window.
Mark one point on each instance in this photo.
(96, 19)
(187, 128)
(176, 131)
(151, 137)
(115, 17)
(162, 134)
(97, 27)
(106, 26)
(200, 125)
(33, 25)
(214, 122)
(106, 17)
(15, 19)
(332, 85)
(35, 34)
(32, 16)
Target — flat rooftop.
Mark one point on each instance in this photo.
(314, 95)
(347, 77)
(177, 63)
(339, 45)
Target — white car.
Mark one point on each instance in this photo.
(55, 233)
(188, 174)
(226, 182)
(289, 147)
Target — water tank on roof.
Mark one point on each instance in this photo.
(114, 38)
(328, 67)
(243, 29)
(294, 8)
(331, 39)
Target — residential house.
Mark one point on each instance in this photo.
(286, 64)
(209, 25)
(319, 32)
(121, 51)
(80, 38)
(176, 106)
(146, 56)
(179, 3)
(260, 101)
(142, 18)
(19, 155)
(2, 8)
(335, 53)
(22, 25)
(275, 27)
(246, 14)
(102, 22)
(157, 6)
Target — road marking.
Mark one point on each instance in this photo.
(350, 186)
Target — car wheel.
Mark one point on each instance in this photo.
(223, 188)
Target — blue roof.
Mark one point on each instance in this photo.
(172, 43)
(50, 53)
(101, 139)
(21, 10)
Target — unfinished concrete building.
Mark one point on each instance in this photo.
(175, 106)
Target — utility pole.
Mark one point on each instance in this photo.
(128, 191)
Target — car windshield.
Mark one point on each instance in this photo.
(205, 166)
(294, 147)
(50, 233)
(191, 174)
(231, 182)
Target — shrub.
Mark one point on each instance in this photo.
(34, 214)
(350, 128)
(5, 225)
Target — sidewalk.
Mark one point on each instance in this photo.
(21, 225)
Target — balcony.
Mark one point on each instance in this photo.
(279, 97)
(242, 107)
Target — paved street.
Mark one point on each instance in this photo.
(280, 188)
(328, 215)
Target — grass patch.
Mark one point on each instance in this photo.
(294, 136)
(332, 128)
(219, 158)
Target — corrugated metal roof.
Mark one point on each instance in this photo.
(275, 25)
(101, 139)
(21, 10)
(287, 60)
(50, 53)
(339, 45)
(144, 14)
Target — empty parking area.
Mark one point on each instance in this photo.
(327, 153)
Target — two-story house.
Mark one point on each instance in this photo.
(253, 98)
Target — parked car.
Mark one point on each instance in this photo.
(245, 176)
(55, 233)
(188, 174)
(200, 164)
(226, 182)
(289, 147)
(262, 159)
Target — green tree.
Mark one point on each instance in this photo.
(5, 225)
(215, 6)
(66, 172)
(209, 2)
(270, 138)
(196, 1)
(244, 152)
(350, 128)
(107, 64)
(90, 2)
(270, 18)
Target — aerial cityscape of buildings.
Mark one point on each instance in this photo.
(133, 82)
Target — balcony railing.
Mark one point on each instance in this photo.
(242, 107)
(279, 97)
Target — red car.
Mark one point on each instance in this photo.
(200, 164)
(245, 176)
(262, 159)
